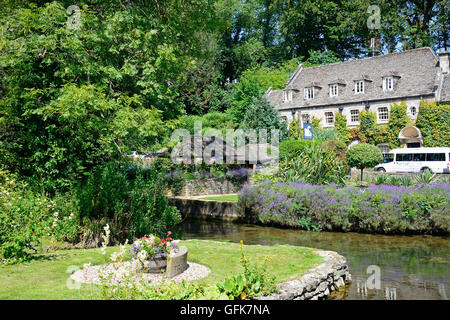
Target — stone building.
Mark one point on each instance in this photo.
(368, 84)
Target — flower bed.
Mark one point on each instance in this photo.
(376, 209)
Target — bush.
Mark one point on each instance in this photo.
(291, 149)
(363, 156)
(26, 216)
(339, 148)
(309, 163)
(376, 209)
(133, 208)
(294, 130)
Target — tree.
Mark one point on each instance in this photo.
(362, 156)
(262, 115)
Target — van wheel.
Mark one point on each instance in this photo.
(425, 169)
(381, 170)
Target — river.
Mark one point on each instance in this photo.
(408, 267)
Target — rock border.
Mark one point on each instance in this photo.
(318, 282)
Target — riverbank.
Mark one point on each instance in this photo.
(47, 276)
(412, 267)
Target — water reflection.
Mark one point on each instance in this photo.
(411, 267)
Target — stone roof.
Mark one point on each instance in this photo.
(415, 72)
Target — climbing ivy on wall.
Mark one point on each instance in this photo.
(433, 122)
(341, 127)
(397, 121)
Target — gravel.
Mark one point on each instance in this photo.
(92, 274)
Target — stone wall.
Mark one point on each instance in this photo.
(206, 187)
(318, 282)
(205, 209)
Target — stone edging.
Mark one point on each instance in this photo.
(318, 282)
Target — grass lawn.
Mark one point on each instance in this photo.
(230, 197)
(46, 276)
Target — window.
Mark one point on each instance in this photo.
(287, 95)
(435, 156)
(388, 158)
(359, 86)
(354, 115)
(388, 83)
(419, 157)
(309, 93)
(334, 90)
(329, 117)
(284, 118)
(404, 157)
(306, 118)
(413, 111)
(383, 114)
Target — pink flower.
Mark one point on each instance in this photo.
(169, 233)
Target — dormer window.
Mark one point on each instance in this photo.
(388, 83)
(359, 86)
(334, 90)
(287, 96)
(309, 93)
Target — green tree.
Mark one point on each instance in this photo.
(262, 115)
(362, 156)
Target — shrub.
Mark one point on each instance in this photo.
(363, 156)
(376, 209)
(291, 149)
(313, 165)
(294, 130)
(133, 208)
(339, 148)
(27, 216)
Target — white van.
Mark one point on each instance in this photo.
(416, 160)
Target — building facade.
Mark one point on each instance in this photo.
(369, 84)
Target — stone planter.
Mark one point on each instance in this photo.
(158, 264)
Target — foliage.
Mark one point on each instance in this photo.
(324, 134)
(343, 133)
(271, 76)
(397, 121)
(312, 165)
(26, 216)
(433, 122)
(291, 149)
(294, 130)
(261, 114)
(253, 282)
(133, 207)
(426, 177)
(244, 94)
(75, 98)
(376, 209)
(338, 147)
(362, 156)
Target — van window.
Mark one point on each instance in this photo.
(419, 157)
(435, 156)
(388, 158)
(404, 157)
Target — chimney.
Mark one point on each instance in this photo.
(443, 61)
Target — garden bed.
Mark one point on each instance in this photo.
(422, 209)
